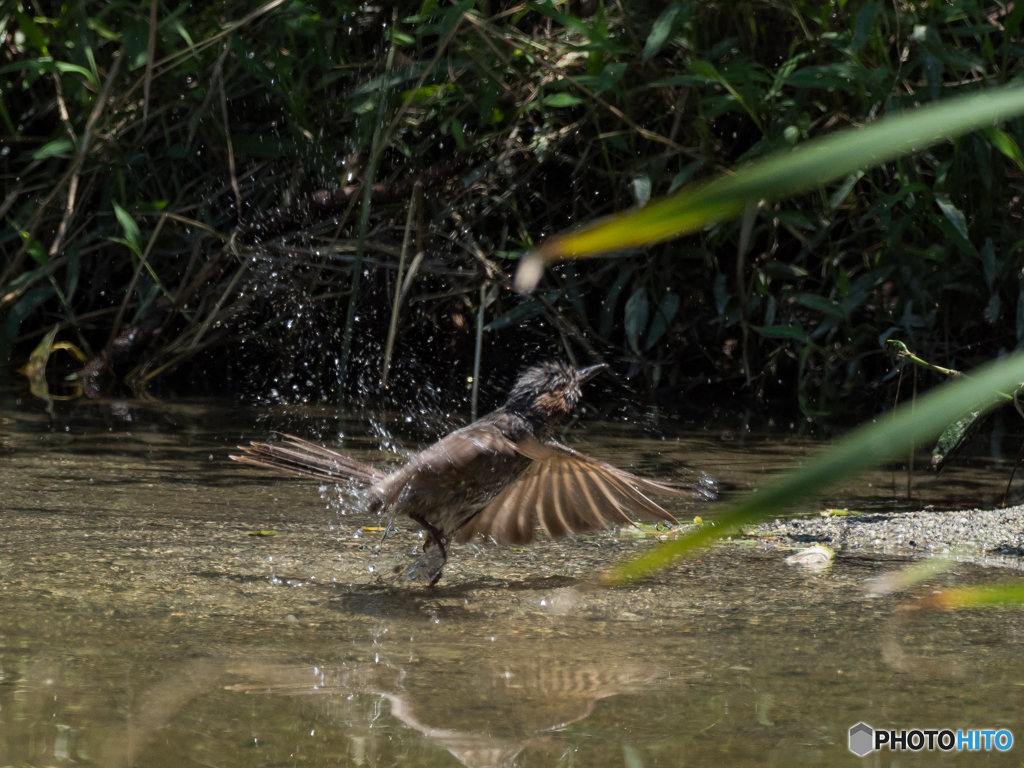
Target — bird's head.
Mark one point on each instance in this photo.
(548, 391)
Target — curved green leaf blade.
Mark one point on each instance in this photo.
(864, 448)
(808, 166)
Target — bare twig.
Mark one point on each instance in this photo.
(747, 228)
(168, 62)
(393, 328)
(150, 51)
(115, 329)
(218, 70)
(419, 84)
(217, 307)
(417, 260)
(227, 135)
(486, 297)
(647, 134)
(380, 140)
(97, 110)
(62, 107)
(71, 177)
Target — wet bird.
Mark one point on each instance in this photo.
(495, 478)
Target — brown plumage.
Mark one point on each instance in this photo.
(496, 478)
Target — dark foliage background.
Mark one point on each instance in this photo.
(140, 136)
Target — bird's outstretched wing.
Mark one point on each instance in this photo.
(567, 492)
(302, 457)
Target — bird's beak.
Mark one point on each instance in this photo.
(586, 374)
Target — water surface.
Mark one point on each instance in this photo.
(141, 622)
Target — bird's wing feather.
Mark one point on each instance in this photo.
(566, 492)
(464, 445)
(452, 456)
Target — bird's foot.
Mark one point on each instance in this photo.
(428, 567)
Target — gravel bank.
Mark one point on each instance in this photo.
(985, 536)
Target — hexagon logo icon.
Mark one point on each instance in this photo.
(862, 737)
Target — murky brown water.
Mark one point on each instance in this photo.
(141, 623)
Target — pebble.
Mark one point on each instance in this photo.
(987, 536)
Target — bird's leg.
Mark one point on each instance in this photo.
(430, 564)
(436, 537)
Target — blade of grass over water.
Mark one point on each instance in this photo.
(868, 446)
(807, 167)
(1010, 594)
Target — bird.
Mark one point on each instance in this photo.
(494, 479)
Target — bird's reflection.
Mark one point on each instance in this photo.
(484, 713)
(499, 708)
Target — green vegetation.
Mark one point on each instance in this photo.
(868, 446)
(136, 132)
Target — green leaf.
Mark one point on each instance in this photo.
(518, 315)
(844, 190)
(954, 215)
(1003, 142)
(780, 270)
(1013, 20)
(869, 445)
(989, 263)
(131, 229)
(136, 43)
(257, 146)
(102, 29)
(954, 438)
(611, 300)
(660, 32)
(1009, 594)
(637, 311)
(37, 252)
(455, 126)
(72, 273)
(53, 148)
(562, 100)
(33, 32)
(865, 21)
(1020, 317)
(662, 318)
(45, 64)
(64, 66)
(806, 167)
(705, 69)
(782, 332)
(23, 308)
(821, 304)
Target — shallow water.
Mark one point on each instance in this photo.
(142, 624)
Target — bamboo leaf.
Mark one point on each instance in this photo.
(660, 32)
(782, 332)
(954, 438)
(636, 317)
(131, 229)
(562, 100)
(1005, 144)
(862, 449)
(806, 167)
(953, 215)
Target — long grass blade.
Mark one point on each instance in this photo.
(807, 167)
(864, 448)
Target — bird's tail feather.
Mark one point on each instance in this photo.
(302, 457)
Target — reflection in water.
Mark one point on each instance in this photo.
(142, 625)
(537, 699)
(514, 703)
